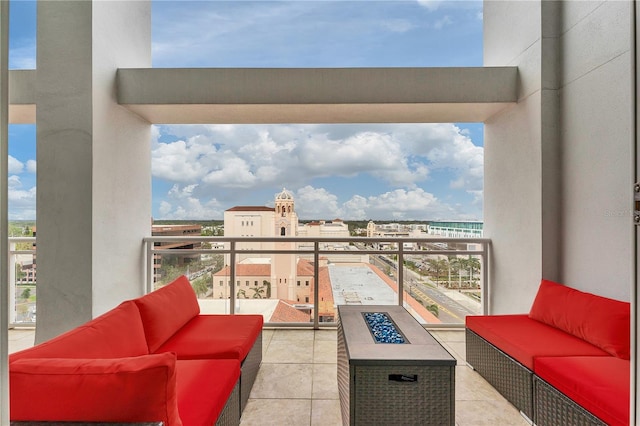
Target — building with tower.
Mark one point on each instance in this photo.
(281, 276)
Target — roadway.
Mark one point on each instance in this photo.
(449, 310)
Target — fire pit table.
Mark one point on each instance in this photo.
(391, 371)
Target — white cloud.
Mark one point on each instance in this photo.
(185, 205)
(401, 204)
(317, 203)
(398, 25)
(430, 4)
(232, 163)
(32, 166)
(15, 165)
(22, 202)
(443, 22)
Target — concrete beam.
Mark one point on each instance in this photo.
(317, 95)
(22, 96)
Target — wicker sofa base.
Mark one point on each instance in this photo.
(249, 371)
(513, 380)
(230, 415)
(553, 408)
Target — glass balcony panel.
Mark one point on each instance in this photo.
(441, 280)
(22, 281)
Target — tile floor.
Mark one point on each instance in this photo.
(297, 384)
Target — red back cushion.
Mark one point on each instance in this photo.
(138, 389)
(166, 310)
(603, 322)
(115, 334)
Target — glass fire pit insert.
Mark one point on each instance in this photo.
(382, 328)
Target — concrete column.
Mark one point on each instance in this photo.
(522, 155)
(94, 163)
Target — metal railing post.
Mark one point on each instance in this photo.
(316, 287)
(232, 278)
(400, 273)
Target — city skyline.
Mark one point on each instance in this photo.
(351, 171)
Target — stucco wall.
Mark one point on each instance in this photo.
(512, 171)
(558, 165)
(597, 154)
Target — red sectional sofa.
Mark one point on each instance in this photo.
(151, 359)
(564, 363)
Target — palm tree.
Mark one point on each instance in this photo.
(257, 292)
(437, 267)
(242, 293)
(474, 265)
(459, 265)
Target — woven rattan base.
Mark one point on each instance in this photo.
(553, 408)
(249, 371)
(383, 402)
(230, 415)
(513, 380)
(393, 384)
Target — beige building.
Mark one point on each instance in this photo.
(290, 277)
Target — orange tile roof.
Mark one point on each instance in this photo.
(304, 268)
(251, 209)
(285, 312)
(247, 270)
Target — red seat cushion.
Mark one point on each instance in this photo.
(598, 384)
(524, 338)
(138, 389)
(215, 336)
(166, 310)
(116, 334)
(203, 388)
(603, 322)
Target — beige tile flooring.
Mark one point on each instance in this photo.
(297, 385)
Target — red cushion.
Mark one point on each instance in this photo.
(115, 334)
(138, 389)
(204, 387)
(523, 338)
(604, 322)
(167, 309)
(215, 336)
(598, 384)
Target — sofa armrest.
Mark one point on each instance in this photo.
(135, 389)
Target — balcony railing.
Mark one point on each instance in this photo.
(298, 281)
(441, 279)
(22, 281)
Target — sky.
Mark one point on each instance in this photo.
(350, 171)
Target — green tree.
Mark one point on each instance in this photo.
(200, 286)
(437, 267)
(267, 285)
(459, 265)
(242, 293)
(474, 266)
(26, 293)
(434, 310)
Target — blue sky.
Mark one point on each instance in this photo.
(358, 171)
